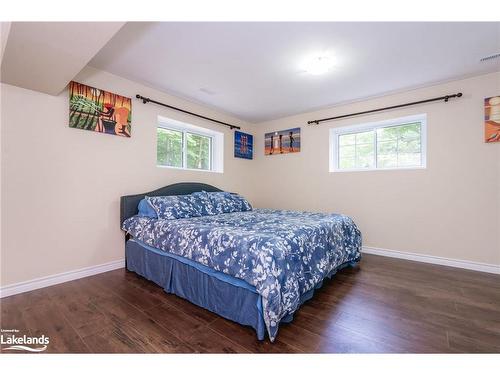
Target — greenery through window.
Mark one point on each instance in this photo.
(169, 147)
(198, 151)
(399, 146)
(380, 147)
(182, 149)
(356, 150)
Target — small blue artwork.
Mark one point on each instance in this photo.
(243, 145)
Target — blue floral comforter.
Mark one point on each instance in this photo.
(282, 253)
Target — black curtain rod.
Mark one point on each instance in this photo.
(147, 100)
(445, 98)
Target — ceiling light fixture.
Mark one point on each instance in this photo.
(318, 65)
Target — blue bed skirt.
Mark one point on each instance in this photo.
(227, 296)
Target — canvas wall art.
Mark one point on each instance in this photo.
(492, 119)
(243, 145)
(282, 142)
(99, 110)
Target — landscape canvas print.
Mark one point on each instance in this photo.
(243, 145)
(282, 142)
(492, 119)
(99, 110)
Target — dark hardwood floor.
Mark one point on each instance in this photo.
(382, 306)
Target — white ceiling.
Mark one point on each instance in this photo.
(45, 56)
(253, 70)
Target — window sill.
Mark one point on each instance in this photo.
(377, 169)
(189, 169)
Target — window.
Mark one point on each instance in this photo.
(186, 146)
(393, 144)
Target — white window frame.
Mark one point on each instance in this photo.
(216, 144)
(335, 133)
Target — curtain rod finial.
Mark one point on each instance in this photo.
(144, 100)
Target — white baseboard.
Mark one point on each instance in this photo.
(466, 264)
(43, 282)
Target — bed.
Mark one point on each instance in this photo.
(255, 266)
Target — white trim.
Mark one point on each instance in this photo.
(42, 282)
(356, 128)
(334, 134)
(187, 169)
(457, 263)
(377, 169)
(59, 278)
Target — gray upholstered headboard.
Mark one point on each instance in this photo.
(129, 203)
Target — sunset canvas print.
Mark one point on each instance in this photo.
(99, 110)
(282, 142)
(492, 119)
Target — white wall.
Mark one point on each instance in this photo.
(451, 209)
(61, 186)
